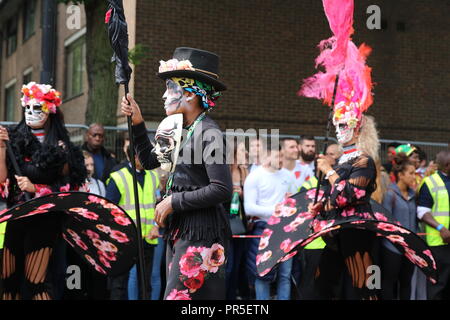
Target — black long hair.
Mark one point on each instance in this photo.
(50, 155)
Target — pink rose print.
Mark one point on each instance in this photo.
(85, 213)
(42, 190)
(95, 199)
(286, 245)
(359, 193)
(111, 256)
(195, 283)
(291, 227)
(5, 218)
(380, 216)
(358, 222)
(392, 228)
(213, 258)
(311, 194)
(397, 239)
(68, 241)
(263, 243)
(258, 259)
(122, 220)
(190, 264)
(4, 189)
(287, 257)
(103, 228)
(64, 195)
(65, 188)
(341, 185)
(119, 236)
(414, 258)
(262, 274)
(428, 253)
(46, 206)
(306, 215)
(92, 235)
(104, 261)
(81, 244)
(348, 212)
(104, 245)
(178, 295)
(90, 259)
(341, 201)
(294, 244)
(273, 220)
(266, 256)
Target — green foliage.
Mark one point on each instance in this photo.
(138, 53)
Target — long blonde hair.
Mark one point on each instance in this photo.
(368, 138)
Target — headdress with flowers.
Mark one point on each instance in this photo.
(205, 91)
(43, 94)
(339, 55)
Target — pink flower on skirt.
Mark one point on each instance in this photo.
(122, 220)
(359, 193)
(213, 258)
(286, 245)
(104, 261)
(179, 295)
(273, 220)
(5, 217)
(119, 236)
(46, 206)
(92, 235)
(380, 216)
(262, 274)
(287, 257)
(190, 264)
(81, 244)
(428, 253)
(103, 228)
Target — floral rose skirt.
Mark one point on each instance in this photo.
(195, 270)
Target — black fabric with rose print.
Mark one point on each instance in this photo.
(101, 232)
(347, 207)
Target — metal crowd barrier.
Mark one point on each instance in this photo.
(114, 138)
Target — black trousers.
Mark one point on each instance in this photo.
(396, 273)
(27, 254)
(118, 285)
(440, 290)
(309, 261)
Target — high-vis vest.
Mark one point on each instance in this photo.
(440, 209)
(318, 243)
(2, 233)
(147, 198)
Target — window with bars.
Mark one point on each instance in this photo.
(75, 68)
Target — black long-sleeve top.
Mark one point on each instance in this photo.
(201, 183)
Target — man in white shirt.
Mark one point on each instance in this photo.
(289, 151)
(307, 149)
(265, 187)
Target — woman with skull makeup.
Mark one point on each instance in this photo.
(197, 227)
(49, 163)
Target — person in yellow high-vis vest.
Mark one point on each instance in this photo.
(433, 209)
(120, 190)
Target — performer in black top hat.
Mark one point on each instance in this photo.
(196, 224)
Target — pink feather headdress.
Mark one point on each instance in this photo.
(339, 55)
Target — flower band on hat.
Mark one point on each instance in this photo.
(174, 64)
(41, 94)
(203, 90)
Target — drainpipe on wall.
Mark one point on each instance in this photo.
(48, 50)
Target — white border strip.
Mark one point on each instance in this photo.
(74, 37)
(10, 83)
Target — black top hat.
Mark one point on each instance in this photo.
(204, 63)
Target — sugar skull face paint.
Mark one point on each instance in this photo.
(343, 132)
(35, 118)
(173, 97)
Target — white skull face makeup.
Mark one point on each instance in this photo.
(168, 140)
(172, 97)
(343, 132)
(35, 118)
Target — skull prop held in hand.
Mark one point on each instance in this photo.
(168, 140)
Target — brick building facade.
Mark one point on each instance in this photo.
(268, 46)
